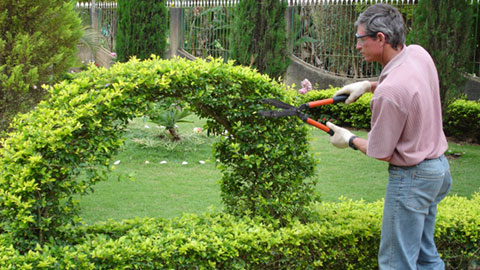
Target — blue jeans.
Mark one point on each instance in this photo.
(409, 215)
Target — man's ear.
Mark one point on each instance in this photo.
(382, 38)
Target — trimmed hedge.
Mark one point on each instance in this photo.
(461, 120)
(265, 162)
(344, 235)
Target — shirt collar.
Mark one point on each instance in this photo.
(395, 62)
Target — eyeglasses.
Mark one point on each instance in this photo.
(357, 36)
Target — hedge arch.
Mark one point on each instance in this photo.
(265, 162)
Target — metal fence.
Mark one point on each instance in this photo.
(323, 36)
(206, 30)
(103, 17)
(321, 32)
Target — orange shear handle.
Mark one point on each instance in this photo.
(321, 102)
(319, 125)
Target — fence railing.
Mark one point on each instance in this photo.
(323, 36)
(103, 17)
(321, 32)
(228, 3)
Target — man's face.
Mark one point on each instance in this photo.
(368, 46)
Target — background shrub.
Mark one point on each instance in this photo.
(37, 45)
(462, 120)
(259, 36)
(444, 29)
(142, 29)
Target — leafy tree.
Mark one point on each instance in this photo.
(444, 28)
(38, 43)
(259, 36)
(142, 29)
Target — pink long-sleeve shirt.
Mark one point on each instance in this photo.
(406, 110)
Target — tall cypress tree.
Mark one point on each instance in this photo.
(259, 36)
(142, 29)
(38, 43)
(444, 28)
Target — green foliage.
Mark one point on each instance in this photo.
(444, 29)
(265, 162)
(461, 118)
(357, 114)
(344, 235)
(37, 45)
(259, 36)
(142, 29)
(169, 117)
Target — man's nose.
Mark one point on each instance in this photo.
(358, 46)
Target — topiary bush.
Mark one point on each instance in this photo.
(265, 162)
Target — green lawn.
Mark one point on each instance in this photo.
(170, 189)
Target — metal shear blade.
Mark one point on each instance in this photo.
(289, 110)
(279, 113)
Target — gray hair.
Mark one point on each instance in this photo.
(386, 19)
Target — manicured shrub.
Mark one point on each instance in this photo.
(462, 120)
(259, 36)
(142, 29)
(343, 235)
(38, 43)
(265, 162)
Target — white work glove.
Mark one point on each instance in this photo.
(340, 137)
(354, 90)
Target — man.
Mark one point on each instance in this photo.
(406, 131)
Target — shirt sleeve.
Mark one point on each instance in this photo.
(388, 121)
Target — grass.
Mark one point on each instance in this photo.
(171, 189)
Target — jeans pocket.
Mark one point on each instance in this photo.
(425, 188)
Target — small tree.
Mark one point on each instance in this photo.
(444, 28)
(259, 36)
(142, 29)
(38, 43)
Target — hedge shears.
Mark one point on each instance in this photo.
(290, 110)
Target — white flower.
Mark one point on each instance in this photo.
(116, 162)
(146, 161)
(163, 162)
(146, 126)
(184, 163)
(202, 162)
